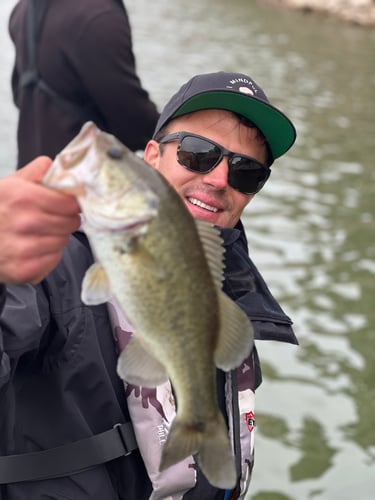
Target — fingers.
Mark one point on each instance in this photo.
(35, 224)
(34, 194)
(40, 211)
(29, 264)
(48, 200)
(27, 208)
(35, 170)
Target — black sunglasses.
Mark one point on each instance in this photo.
(199, 154)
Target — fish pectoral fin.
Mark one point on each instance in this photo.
(95, 286)
(236, 336)
(138, 367)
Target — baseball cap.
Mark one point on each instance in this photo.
(234, 92)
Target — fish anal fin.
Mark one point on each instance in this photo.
(236, 338)
(138, 367)
(96, 288)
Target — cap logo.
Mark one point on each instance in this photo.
(250, 88)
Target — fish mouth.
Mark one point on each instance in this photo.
(201, 204)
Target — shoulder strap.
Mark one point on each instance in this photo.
(70, 458)
(35, 12)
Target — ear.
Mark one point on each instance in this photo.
(152, 154)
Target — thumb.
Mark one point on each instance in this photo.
(35, 170)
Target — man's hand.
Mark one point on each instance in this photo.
(35, 224)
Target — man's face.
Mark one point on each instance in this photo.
(208, 196)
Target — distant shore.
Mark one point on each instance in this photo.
(360, 12)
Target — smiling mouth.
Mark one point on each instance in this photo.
(200, 204)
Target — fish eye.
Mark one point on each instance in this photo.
(115, 152)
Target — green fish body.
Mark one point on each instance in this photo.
(165, 271)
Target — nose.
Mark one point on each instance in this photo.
(218, 177)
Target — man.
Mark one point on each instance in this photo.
(75, 62)
(215, 141)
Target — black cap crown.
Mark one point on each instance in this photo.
(237, 93)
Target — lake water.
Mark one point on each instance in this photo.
(311, 230)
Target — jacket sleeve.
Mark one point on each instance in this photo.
(23, 321)
(104, 59)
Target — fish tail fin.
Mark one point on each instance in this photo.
(209, 442)
(215, 456)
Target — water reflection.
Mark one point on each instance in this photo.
(321, 266)
(311, 230)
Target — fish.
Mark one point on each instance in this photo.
(165, 271)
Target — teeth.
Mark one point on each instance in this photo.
(199, 203)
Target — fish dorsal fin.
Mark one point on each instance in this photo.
(213, 248)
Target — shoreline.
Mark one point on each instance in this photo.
(359, 12)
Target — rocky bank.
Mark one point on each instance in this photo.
(361, 12)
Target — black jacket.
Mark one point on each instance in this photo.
(58, 381)
(85, 55)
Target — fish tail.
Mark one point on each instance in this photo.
(210, 443)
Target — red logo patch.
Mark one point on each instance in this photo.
(250, 420)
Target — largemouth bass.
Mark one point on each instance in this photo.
(165, 271)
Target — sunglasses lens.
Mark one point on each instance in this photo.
(198, 154)
(246, 175)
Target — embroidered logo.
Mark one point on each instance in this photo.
(250, 420)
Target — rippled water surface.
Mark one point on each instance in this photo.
(311, 230)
